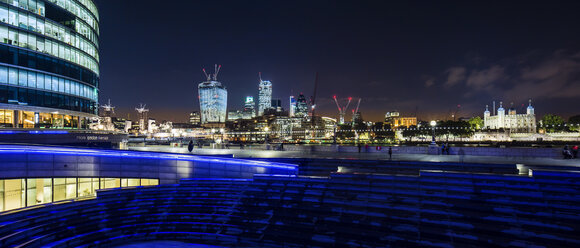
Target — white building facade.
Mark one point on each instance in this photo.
(517, 123)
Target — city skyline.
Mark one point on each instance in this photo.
(428, 60)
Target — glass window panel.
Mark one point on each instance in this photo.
(96, 185)
(13, 17)
(1, 195)
(47, 192)
(108, 183)
(124, 182)
(61, 84)
(3, 14)
(3, 75)
(13, 76)
(4, 34)
(13, 193)
(22, 78)
(59, 192)
(67, 86)
(22, 21)
(32, 79)
(85, 187)
(47, 82)
(134, 182)
(40, 44)
(54, 83)
(71, 188)
(35, 189)
(40, 81)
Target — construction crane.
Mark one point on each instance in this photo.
(142, 116)
(206, 75)
(108, 109)
(213, 76)
(342, 110)
(313, 98)
(216, 71)
(355, 111)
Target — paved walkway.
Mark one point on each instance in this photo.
(253, 153)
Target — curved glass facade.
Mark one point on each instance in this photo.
(49, 62)
(213, 102)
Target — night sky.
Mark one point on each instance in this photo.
(416, 57)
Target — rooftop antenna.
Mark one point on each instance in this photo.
(260, 76)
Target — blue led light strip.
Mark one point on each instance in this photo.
(137, 154)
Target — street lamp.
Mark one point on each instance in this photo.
(433, 124)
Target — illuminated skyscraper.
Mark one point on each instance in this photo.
(49, 63)
(213, 99)
(249, 108)
(301, 106)
(292, 109)
(194, 118)
(264, 96)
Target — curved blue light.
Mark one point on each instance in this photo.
(138, 154)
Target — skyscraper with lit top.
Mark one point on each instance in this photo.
(213, 99)
(264, 96)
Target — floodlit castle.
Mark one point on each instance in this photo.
(521, 123)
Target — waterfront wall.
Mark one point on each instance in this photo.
(476, 151)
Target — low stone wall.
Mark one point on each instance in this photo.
(477, 151)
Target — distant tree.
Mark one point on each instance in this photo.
(476, 122)
(574, 122)
(574, 119)
(453, 128)
(414, 131)
(553, 123)
(344, 131)
(410, 132)
(382, 131)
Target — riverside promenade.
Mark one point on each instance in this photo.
(399, 154)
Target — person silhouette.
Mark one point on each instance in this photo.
(190, 146)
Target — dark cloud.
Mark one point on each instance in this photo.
(455, 75)
(487, 79)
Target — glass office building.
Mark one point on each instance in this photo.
(49, 63)
(264, 96)
(213, 100)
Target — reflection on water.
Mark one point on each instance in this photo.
(164, 244)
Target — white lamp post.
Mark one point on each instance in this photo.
(433, 124)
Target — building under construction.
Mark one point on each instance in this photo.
(213, 100)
